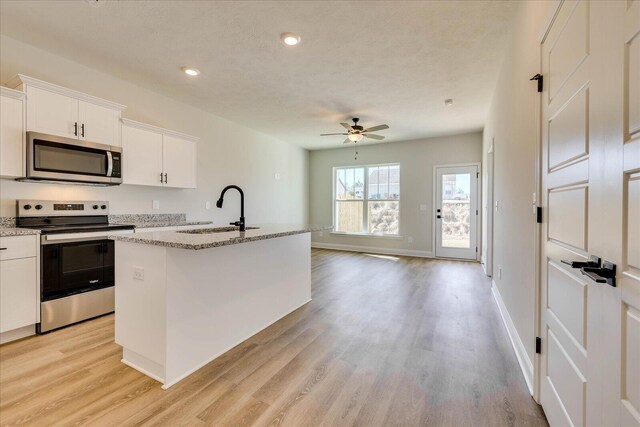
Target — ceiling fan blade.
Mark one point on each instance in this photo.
(346, 141)
(372, 136)
(347, 126)
(327, 134)
(375, 128)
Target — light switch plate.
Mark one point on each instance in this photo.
(207, 205)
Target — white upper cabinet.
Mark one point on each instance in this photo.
(51, 113)
(142, 156)
(99, 124)
(12, 136)
(56, 110)
(157, 157)
(179, 162)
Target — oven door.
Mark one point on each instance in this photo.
(75, 267)
(52, 157)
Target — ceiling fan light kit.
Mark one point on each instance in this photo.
(356, 133)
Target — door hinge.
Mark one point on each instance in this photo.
(540, 79)
(538, 345)
(539, 215)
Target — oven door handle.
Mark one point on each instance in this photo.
(82, 236)
(109, 163)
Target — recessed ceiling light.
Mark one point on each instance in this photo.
(290, 39)
(191, 71)
(448, 102)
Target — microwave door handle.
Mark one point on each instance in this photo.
(109, 163)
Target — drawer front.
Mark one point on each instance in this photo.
(15, 247)
(18, 293)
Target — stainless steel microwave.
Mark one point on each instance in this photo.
(55, 158)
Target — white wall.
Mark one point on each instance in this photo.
(416, 159)
(512, 125)
(228, 153)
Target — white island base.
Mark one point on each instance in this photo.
(178, 309)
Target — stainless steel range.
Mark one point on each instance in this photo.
(77, 259)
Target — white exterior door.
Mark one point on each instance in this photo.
(179, 162)
(142, 157)
(456, 215)
(590, 324)
(99, 124)
(52, 113)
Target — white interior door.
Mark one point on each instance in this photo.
(590, 324)
(456, 212)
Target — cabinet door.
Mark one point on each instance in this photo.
(99, 124)
(141, 156)
(18, 293)
(12, 159)
(51, 113)
(179, 162)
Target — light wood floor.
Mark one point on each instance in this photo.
(385, 341)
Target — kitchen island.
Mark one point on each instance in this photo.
(184, 298)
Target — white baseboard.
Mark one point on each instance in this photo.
(518, 347)
(372, 250)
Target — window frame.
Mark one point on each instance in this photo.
(365, 201)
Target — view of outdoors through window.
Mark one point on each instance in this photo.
(376, 186)
(456, 210)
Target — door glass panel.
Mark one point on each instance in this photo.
(53, 157)
(456, 210)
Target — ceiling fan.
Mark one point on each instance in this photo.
(355, 132)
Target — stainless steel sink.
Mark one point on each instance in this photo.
(215, 230)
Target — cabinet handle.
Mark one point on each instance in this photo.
(82, 127)
(161, 178)
(75, 128)
(166, 181)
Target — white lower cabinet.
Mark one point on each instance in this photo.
(19, 290)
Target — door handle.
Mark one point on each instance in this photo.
(593, 261)
(605, 274)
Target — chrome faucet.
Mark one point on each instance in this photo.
(240, 223)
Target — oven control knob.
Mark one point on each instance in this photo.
(95, 206)
(27, 207)
(38, 207)
(103, 207)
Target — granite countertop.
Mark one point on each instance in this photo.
(170, 223)
(195, 239)
(12, 231)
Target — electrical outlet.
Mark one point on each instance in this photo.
(207, 205)
(410, 239)
(276, 176)
(156, 204)
(497, 206)
(138, 273)
(500, 272)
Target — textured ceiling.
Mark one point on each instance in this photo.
(386, 62)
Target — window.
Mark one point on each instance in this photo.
(367, 199)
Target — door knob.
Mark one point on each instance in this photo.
(593, 262)
(605, 274)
